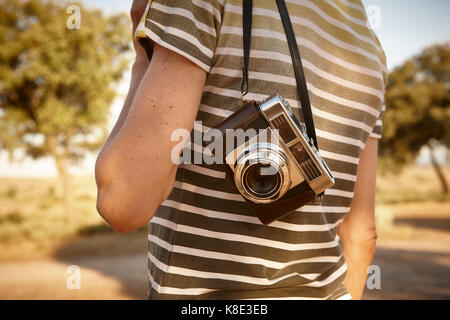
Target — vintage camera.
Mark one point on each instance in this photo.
(277, 169)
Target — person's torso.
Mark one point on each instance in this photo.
(204, 242)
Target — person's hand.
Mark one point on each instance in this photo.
(136, 12)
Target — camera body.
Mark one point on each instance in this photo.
(276, 167)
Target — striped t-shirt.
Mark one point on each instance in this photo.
(204, 241)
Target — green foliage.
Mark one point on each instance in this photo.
(57, 84)
(417, 105)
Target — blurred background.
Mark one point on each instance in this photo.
(63, 78)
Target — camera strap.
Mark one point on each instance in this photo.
(295, 56)
(247, 14)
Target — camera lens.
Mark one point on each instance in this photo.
(262, 180)
(261, 173)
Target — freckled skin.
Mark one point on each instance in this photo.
(167, 98)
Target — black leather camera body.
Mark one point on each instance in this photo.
(272, 162)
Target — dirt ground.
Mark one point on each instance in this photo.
(413, 255)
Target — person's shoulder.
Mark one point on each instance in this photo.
(189, 27)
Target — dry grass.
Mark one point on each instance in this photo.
(32, 209)
(32, 217)
(413, 184)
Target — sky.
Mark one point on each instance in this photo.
(403, 27)
(407, 26)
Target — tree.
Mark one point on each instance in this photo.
(57, 83)
(418, 108)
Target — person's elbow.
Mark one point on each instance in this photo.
(116, 215)
(119, 201)
(120, 213)
(361, 235)
(365, 239)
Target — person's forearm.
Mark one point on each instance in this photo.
(358, 230)
(358, 256)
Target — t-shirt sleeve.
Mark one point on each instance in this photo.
(377, 131)
(187, 27)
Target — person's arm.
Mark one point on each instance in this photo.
(140, 65)
(135, 172)
(357, 231)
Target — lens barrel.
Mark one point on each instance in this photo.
(262, 179)
(261, 173)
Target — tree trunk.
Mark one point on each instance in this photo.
(64, 178)
(438, 170)
(60, 158)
